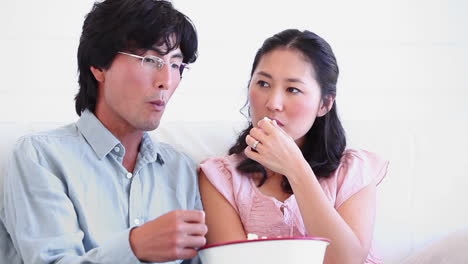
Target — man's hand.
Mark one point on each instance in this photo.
(175, 235)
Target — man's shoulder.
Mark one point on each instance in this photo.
(172, 155)
(59, 135)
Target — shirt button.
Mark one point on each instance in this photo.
(136, 221)
(117, 149)
(129, 175)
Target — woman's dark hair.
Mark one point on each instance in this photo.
(128, 25)
(325, 142)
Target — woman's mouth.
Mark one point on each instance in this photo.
(274, 119)
(278, 122)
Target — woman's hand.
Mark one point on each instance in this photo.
(275, 149)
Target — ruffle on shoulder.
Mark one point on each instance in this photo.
(358, 169)
(219, 171)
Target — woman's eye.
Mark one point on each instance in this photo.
(263, 84)
(293, 90)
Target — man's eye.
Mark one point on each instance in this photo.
(263, 84)
(149, 60)
(176, 66)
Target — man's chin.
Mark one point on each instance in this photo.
(149, 125)
(149, 122)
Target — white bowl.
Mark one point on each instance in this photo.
(291, 250)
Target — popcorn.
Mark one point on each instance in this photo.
(270, 120)
(251, 236)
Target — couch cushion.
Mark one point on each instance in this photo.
(451, 249)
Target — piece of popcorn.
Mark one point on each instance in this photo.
(251, 236)
(270, 120)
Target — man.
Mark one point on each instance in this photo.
(99, 190)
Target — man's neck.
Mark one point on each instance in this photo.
(128, 136)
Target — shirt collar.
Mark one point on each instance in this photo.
(98, 136)
(148, 151)
(103, 141)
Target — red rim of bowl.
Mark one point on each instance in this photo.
(265, 239)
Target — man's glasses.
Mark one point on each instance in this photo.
(154, 62)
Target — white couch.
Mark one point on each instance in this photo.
(422, 203)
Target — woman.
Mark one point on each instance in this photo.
(289, 173)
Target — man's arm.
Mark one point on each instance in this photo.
(41, 218)
(175, 235)
(44, 226)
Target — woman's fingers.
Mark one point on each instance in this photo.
(252, 142)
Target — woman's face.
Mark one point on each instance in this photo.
(283, 87)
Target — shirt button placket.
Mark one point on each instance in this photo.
(134, 210)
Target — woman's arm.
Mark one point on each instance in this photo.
(223, 222)
(350, 227)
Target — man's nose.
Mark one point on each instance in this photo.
(164, 77)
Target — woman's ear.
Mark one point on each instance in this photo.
(97, 73)
(326, 105)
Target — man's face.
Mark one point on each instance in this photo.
(134, 94)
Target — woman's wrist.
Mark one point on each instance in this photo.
(300, 172)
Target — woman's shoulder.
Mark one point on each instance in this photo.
(222, 168)
(223, 164)
(362, 163)
(361, 155)
(357, 169)
(221, 172)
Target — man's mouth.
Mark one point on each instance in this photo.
(158, 105)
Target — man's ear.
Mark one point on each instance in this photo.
(97, 73)
(326, 105)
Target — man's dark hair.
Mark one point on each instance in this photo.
(128, 25)
(325, 142)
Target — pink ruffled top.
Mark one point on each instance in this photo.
(266, 216)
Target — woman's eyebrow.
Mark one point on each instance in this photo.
(265, 74)
(295, 80)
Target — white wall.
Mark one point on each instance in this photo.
(404, 65)
(399, 60)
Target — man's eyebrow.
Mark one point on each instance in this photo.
(177, 55)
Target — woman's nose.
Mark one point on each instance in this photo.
(275, 101)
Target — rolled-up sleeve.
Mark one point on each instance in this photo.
(41, 218)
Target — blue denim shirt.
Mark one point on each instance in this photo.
(69, 199)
